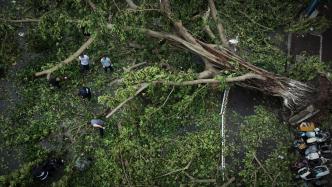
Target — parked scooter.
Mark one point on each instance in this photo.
(311, 174)
(314, 156)
(306, 126)
(315, 136)
(301, 163)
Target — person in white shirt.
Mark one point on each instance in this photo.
(84, 63)
(106, 63)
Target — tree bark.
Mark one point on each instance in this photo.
(220, 27)
(131, 4)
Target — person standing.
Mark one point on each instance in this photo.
(98, 123)
(84, 63)
(106, 63)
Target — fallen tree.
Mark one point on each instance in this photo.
(294, 93)
(216, 57)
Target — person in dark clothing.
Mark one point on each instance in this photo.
(45, 170)
(55, 81)
(98, 123)
(85, 92)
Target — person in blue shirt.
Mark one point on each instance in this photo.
(106, 63)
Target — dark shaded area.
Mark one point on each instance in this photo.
(327, 45)
(305, 43)
(327, 35)
(242, 101)
(323, 99)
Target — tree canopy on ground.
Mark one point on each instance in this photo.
(172, 59)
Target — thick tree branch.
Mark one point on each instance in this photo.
(220, 27)
(142, 88)
(230, 181)
(67, 60)
(31, 20)
(26, 20)
(207, 28)
(194, 180)
(211, 81)
(92, 5)
(134, 66)
(261, 165)
(131, 4)
(165, 7)
(209, 71)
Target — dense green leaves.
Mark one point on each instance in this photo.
(167, 135)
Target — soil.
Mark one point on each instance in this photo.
(327, 35)
(11, 159)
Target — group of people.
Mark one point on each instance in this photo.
(49, 167)
(85, 63)
(84, 67)
(85, 92)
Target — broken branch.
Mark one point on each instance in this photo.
(143, 87)
(67, 60)
(211, 81)
(177, 170)
(230, 181)
(27, 20)
(131, 4)
(220, 27)
(261, 165)
(134, 66)
(207, 28)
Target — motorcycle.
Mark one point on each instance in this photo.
(306, 126)
(315, 136)
(312, 174)
(301, 163)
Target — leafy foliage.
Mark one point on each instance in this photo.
(308, 68)
(263, 136)
(166, 135)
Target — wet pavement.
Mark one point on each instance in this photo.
(242, 101)
(314, 43)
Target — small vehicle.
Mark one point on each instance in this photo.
(300, 144)
(316, 136)
(326, 148)
(311, 174)
(306, 127)
(301, 163)
(311, 149)
(313, 156)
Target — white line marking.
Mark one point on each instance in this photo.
(222, 113)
